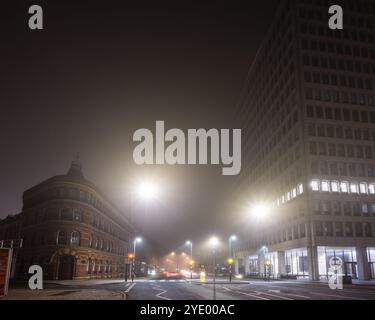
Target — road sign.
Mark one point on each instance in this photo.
(202, 276)
(5, 263)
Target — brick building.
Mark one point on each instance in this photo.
(70, 229)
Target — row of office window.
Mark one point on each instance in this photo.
(339, 132)
(343, 169)
(313, 12)
(297, 231)
(346, 187)
(98, 266)
(343, 229)
(338, 48)
(74, 239)
(343, 208)
(333, 63)
(340, 114)
(332, 79)
(290, 195)
(326, 95)
(53, 213)
(68, 238)
(340, 150)
(320, 30)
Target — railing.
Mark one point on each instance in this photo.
(16, 243)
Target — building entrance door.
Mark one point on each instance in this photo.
(66, 268)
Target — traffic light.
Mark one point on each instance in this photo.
(230, 261)
(130, 256)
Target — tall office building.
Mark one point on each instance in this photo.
(308, 120)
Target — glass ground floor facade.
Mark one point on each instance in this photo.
(359, 263)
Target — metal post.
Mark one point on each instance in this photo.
(191, 258)
(133, 268)
(230, 257)
(214, 285)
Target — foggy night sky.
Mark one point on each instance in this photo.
(102, 69)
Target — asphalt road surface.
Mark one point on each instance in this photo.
(178, 288)
(250, 290)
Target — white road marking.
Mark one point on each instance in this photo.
(298, 296)
(273, 295)
(337, 296)
(159, 295)
(226, 288)
(131, 287)
(275, 291)
(252, 295)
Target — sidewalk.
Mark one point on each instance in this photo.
(87, 283)
(47, 294)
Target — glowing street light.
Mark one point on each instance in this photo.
(260, 211)
(214, 242)
(147, 190)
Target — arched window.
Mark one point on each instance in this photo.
(61, 238)
(66, 214)
(75, 238)
(77, 214)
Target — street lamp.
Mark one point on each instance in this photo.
(265, 254)
(147, 190)
(190, 243)
(260, 211)
(214, 243)
(136, 240)
(230, 260)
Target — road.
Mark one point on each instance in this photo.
(249, 290)
(178, 288)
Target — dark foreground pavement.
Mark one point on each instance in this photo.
(183, 289)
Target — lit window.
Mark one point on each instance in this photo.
(325, 186)
(288, 196)
(371, 188)
(300, 188)
(315, 185)
(77, 214)
(363, 188)
(75, 238)
(335, 186)
(294, 193)
(353, 188)
(61, 237)
(344, 186)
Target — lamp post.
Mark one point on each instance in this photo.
(136, 240)
(261, 214)
(190, 243)
(265, 252)
(230, 260)
(214, 242)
